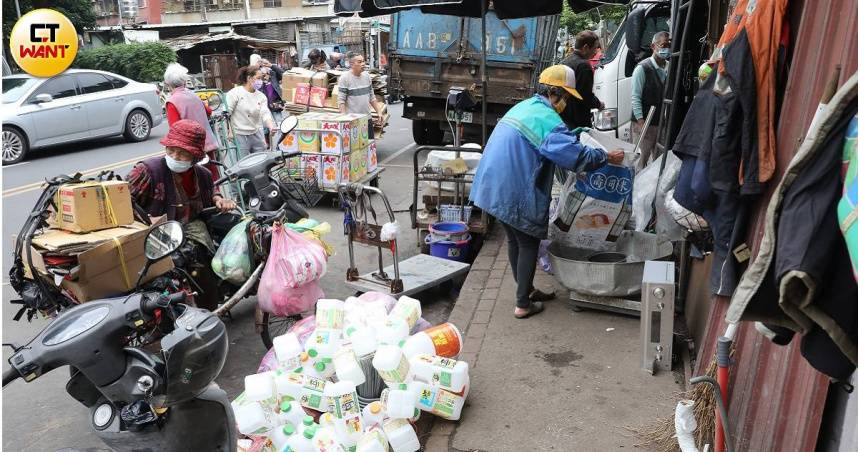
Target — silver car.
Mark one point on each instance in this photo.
(75, 105)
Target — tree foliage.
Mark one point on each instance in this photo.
(588, 20)
(144, 62)
(80, 12)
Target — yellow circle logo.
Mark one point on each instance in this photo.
(43, 42)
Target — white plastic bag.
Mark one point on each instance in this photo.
(645, 191)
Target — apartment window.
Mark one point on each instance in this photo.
(272, 3)
(142, 3)
(191, 5)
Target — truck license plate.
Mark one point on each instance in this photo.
(466, 116)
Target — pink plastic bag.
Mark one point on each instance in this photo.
(302, 328)
(282, 301)
(294, 259)
(379, 297)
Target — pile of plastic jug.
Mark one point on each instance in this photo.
(310, 399)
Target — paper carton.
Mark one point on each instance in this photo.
(302, 94)
(371, 157)
(289, 143)
(318, 95)
(333, 166)
(363, 126)
(311, 165)
(333, 98)
(357, 165)
(93, 206)
(308, 141)
(339, 140)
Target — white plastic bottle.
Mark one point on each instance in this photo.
(401, 435)
(391, 364)
(308, 391)
(306, 423)
(280, 436)
(260, 388)
(330, 314)
(347, 367)
(325, 368)
(348, 432)
(399, 402)
(373, 414)
(291, 412)
(252, 419)
(441, 403)
(363, 340)
(343, 399)
(302, 442)
(323, 343)
(443, 340)
(288, 350)
(408, 309)
(393, 332)
(445, 372)
(325, 440)
(373, 440)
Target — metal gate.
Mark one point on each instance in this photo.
(220, 71)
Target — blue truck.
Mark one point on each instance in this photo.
(430, 53)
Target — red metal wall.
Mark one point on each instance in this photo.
(777, 399)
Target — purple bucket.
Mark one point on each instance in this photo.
(450, 250)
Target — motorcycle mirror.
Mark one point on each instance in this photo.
(164, 240)
(214, 101)
(288, 124)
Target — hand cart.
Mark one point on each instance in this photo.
(437, 205)
(410, 276)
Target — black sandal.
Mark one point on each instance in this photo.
(538, 295)
(535, 308)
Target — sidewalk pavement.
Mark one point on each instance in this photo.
(560, 380)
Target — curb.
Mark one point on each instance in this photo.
(471, 314)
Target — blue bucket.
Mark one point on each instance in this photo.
(451, 231)
(450, 250)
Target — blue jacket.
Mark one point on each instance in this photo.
(514, 178)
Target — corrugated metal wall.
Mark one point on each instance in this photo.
(777, 399)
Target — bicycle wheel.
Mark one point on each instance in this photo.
(273, 326)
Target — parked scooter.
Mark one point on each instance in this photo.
(144, 364)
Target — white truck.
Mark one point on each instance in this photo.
(612, 81)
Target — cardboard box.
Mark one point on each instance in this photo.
(99, 273)
(308, 141)
(357, 165)
(302, 94)
(332, 166)
(89, 207)
(311, 165)
(333, 98)
(371, 157)
(338, 141)
(289, 143)
(294, 76)
(363, 126)
(318, 95)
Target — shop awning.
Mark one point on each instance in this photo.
(190, 41)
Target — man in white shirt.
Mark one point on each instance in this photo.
(355, 90)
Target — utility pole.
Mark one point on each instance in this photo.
(18, 8)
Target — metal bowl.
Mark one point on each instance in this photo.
(614, 272)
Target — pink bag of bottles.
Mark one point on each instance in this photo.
(294, 259)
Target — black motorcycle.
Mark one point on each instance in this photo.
(144, 364)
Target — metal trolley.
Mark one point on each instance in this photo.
(410, 276)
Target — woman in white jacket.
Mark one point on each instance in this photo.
(249, 112)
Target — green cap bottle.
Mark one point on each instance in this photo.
(310, 432)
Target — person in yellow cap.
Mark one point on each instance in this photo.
(514, 178)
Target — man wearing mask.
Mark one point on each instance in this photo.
(578, 113)
(513, 181)
(648, 91)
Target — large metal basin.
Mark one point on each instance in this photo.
(615, 272)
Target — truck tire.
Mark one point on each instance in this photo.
(434, 133)
(419, 132)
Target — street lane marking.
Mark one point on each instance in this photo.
(38, 185)
(17, 164)
(390, 158)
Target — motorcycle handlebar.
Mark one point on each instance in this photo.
(10, 376)
(149, 305)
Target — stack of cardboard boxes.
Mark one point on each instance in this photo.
(335, 148)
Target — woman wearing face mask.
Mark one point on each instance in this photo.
(173, 185)
(514, 178)
(249, 111)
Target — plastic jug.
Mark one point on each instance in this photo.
(307, 390)
(347, 367)
(401, 436)
(348, 432)
(288, 350)
(280, 436)
(323, 343)
(445, 372)
(391, 364)
(291, 412)
(373, 414)
(330, 314)
(260, 388)
(306, 422)
(343, 399)
(393, 332)
(443, 340)
(442, 403)
(303, 441)
(252, 419)
(373, 440)
(325, 440)
(408, 309)
(363, 340)
(399, 402)
(325, 368)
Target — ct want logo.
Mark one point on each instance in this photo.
(43, 42)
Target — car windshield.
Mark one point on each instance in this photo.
(614, 46)
(15, 87)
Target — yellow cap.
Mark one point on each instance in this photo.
(562, 76)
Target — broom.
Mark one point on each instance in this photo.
(662, 433)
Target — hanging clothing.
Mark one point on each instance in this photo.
(801, 278)
(847, 208)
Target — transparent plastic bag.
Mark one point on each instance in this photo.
(232, 260)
